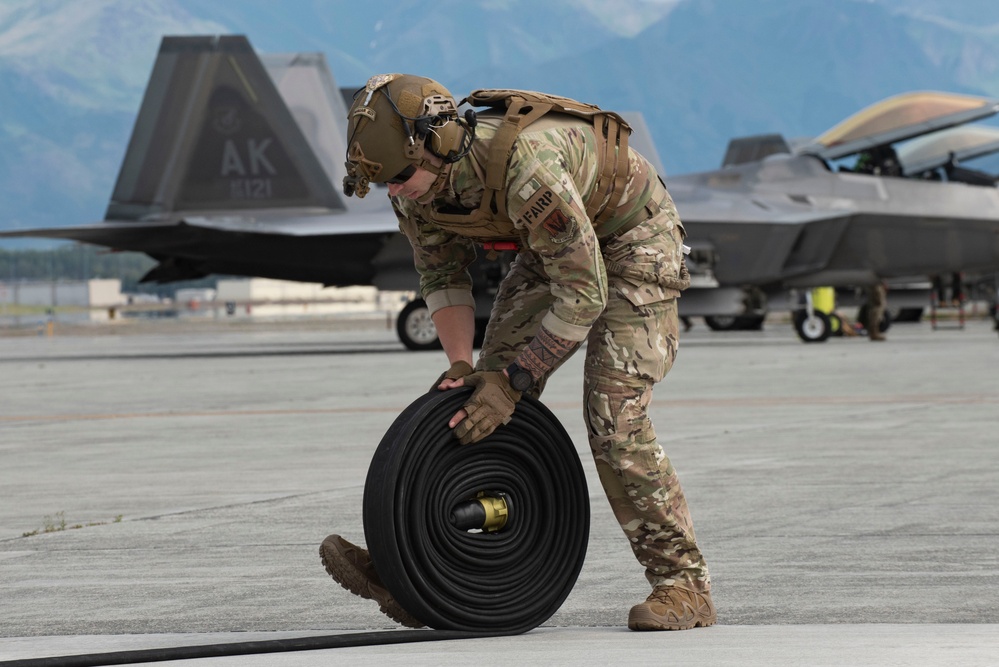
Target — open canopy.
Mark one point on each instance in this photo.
(899, 118)
(960, 143)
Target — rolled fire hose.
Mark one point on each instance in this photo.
(488, 537)
(473, 540)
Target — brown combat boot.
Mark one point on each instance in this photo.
(351, 567)
(670, 608)
(874, 330)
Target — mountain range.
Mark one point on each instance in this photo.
(72, 72)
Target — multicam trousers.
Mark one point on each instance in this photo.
(631, 347)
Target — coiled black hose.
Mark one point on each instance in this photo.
(464, 584)
(503, 582)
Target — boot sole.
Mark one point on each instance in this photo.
(345, 573)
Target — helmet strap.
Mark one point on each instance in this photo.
(442, 171)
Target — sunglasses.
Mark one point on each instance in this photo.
(402, 176)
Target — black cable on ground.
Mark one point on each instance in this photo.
(508, 581)
(242, 648)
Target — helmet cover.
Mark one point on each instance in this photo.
(392, 120)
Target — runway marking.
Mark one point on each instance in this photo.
(734, 402)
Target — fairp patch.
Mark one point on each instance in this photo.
(543, 208)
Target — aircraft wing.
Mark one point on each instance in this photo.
(148, 236)
(332, 250)
(114, 235)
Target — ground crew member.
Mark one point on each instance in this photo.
(600, 261)
(877, 303)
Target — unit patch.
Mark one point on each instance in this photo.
(544, 206)
(560, 226)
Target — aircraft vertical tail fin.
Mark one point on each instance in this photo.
(214, 134)
(309, 90)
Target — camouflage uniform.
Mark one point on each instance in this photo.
(877, 303)
(616, 291)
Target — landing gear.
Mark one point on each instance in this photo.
(734, 322)
(815, 327)
(415, 328)
(417, 331)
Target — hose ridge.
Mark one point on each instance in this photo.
(509, 581)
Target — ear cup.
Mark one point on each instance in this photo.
(445, 139)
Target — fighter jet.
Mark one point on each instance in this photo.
(777, 217)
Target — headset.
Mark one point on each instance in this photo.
(439, 111)
(435, 129)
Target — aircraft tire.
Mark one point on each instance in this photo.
(751, 322)
(734, 322)
(454, 578)
(814, 329)
(907, 315)
(415, 328)
(722, 322)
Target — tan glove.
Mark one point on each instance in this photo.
(492, 403)
(459, 369)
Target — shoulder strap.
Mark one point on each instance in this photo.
(524, 107)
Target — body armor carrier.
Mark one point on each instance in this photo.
(491, 220)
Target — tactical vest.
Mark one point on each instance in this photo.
(523, 107)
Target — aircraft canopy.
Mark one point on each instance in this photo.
(934, 150)
(899, 118)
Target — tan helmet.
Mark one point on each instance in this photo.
(393, 119)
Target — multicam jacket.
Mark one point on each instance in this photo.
(551, 177)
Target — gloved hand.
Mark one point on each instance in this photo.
(492, 403)
(459, 369)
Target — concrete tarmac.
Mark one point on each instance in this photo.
(169, 485)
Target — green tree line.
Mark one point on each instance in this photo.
(83, 262)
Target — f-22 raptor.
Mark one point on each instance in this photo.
(846, 209)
